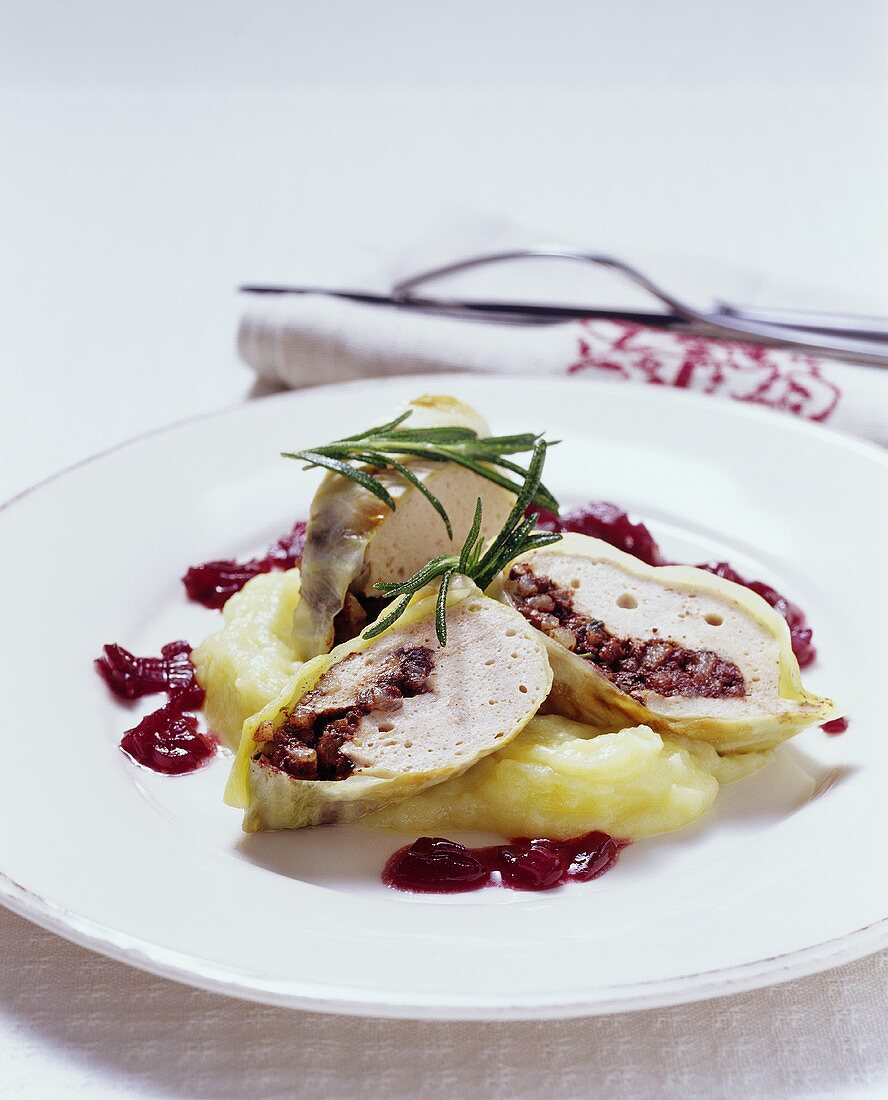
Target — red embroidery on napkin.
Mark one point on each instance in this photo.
(761, 375)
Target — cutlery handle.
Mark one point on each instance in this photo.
(844, 324)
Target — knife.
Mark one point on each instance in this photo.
(855, 338)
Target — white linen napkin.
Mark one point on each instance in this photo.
(304, 340)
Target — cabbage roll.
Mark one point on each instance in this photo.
(377, 720)
(671, 647)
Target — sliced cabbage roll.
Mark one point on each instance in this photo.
(249, 661)
(377, 720)
(671, 647)
(354, 539)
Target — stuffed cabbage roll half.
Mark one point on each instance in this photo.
(672, 647)
(377, 720)
(354, 540)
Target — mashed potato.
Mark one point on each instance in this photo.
(249, 661)
(559, 779)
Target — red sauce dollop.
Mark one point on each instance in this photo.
(168, 741)
(214, 582)
(607, 521)
(835, 727)
(435, 865)
(131, 677)
(601, 520)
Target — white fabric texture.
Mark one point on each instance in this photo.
(101, 1029)
(303, 340)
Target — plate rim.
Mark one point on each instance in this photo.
(343, 1000)
(741, 409)
(338, 999)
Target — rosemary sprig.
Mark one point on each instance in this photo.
(518, 535)
(375, 449)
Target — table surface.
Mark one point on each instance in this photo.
(162, 153)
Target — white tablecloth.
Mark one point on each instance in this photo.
(76, 1024)
(157, 154)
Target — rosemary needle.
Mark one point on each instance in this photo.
(375, 449)
(518, 535)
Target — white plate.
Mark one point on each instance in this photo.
(783, 878)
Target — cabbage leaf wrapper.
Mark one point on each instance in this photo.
(479, 693)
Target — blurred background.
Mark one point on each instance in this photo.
(156, 154)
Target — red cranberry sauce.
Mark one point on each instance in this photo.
(287, 551)
(215, 581)
(434, 865)
(602, 520)
(131, 677)
(835, 727)
(168, 741)
(606, 521)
